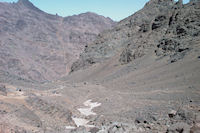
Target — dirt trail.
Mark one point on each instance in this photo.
(13, 93)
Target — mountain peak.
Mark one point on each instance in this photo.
(24, 2)
(27, 4)
(90, 13)
(160, 2)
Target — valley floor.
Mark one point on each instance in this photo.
(148, 95)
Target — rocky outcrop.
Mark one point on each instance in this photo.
(38, 46)
(129, 54)
(167, 27)
(3, 90)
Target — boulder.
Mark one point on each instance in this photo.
(129, 54)
(179, 128)
(172, 113)
(159, 22)
(94, 130)
(195, 128)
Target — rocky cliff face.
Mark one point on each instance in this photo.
(38, 46)
(166, 27)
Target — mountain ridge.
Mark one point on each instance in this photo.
(31, 30)
(28, 4)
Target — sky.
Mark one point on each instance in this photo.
(115, 9)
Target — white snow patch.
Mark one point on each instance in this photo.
(70, 127)
(81, 122)
(90, 106)
(85, 112)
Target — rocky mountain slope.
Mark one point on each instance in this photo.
(166, 27)
(149, 68)
(37, 46)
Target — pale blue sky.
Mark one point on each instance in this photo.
(115, 9)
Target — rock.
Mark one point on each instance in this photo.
(194, 1)
(181, 31)
(171, 47)
(172, 113)
(126, 56)
(139, 120)
(195, 128)
(129, 54)
(144, 27)
(159, 21)
(77, 64)
(94, 130)
(3, 112)
(18, 89)
(159, 52)
(3, 90)
(55, 92)
(179, 128)
(179, 3)
(152, 118)
(185, 115)
(168, 45)
(116, 128)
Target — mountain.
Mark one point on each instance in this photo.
(146, 69)
(163, 26)
(37, 46)
(141, 76)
